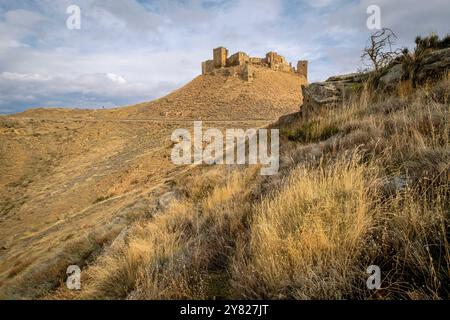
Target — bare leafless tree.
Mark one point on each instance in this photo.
(379, 50)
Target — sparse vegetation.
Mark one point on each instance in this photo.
(432, 42)
(379, 51)
(411, 60)
(181, 252)
(312, 132)
(365, 182)
(103, 198)
(376, 193)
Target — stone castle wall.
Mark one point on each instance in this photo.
(220, 56)
(272, 60)
(302, 68)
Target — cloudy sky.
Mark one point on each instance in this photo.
(129, 51)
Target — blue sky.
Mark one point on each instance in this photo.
(129, 51)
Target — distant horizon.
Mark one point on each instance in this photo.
(140, 51)
(93, 107)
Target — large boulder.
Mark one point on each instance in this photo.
(392, 77)
(434, 65)
(330, 93)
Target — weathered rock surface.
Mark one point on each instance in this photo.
(331, 92)
(392, 77)
(435, 64)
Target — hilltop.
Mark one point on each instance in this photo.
(214, 97)
(226, 97)
(232, 88)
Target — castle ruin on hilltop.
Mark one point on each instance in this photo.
(242, 63)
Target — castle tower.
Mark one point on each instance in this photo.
(270, 57)
(302, 68)
(204, 67)
(207, 66)
(220, 56)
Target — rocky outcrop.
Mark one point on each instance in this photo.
(435, 64)
(331, 92)
(392, 77)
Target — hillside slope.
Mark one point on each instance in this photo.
(223, 97)
(364, 181)
(209, 97)
(72, 180)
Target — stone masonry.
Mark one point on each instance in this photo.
(220, 57)
(245, 63)
(302, 68)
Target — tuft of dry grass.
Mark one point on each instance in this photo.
(410, 237)
(305, 242)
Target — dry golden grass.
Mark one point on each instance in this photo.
(150, 245)
(334, 217)
(376, 192)
(180, 252)
(305, 241)
(411, 237)
(68, 175)
(364, 183)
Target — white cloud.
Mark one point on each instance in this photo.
(116, 78)
(23, 76)
(130, 51)
(320, 3)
